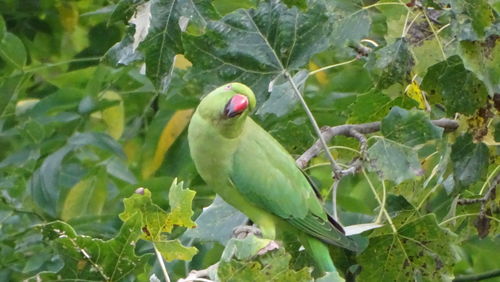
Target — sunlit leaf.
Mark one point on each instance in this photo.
(155, 222)
(114, 116)
(86, 198)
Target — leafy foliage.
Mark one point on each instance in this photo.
(95, 97)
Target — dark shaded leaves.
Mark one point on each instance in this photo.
(391, 64)
(461, 90)
(409, 127)
(470, 160)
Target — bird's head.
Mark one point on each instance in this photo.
(227, 107)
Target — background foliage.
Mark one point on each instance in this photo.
(95, 97)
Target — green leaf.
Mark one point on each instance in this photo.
(216, 222)
(12, 51)
(461, 90)
(352, 24)
(3, 28)
(483, 58)
(254, 46)
(124, 10)
(87, 258)
(163, 41)
(173, 249)
(419, 251)
(243, 249)
(155, 221)
(180, 201)
(9, 89)
(391, 64)
(370, 106)
(470, 160)
(273, 266)
(471, 18)
(86, 198)
(283, 99)
(393, 161)
(45, 184)
(409, 127)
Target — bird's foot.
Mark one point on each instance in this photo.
(241, 232)
(273, 245)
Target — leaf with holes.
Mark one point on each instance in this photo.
(95, 259)
(419, 250)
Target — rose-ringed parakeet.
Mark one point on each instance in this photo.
(251, 171)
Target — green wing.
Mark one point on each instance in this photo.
(265, 173)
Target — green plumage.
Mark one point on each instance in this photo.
(250, 170)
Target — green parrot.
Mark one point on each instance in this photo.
(252, 172)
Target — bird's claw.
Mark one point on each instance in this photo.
(272, 245)
(241, 232)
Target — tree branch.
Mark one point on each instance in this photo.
(489, 194)
(321, 141)
(364, 128)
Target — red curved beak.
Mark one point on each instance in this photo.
(237, 105)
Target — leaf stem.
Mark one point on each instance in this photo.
(162, 264)
(335, 167)
(435, 34)
(489, 179)
(381, 203)
(331, 66)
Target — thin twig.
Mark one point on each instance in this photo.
(381, 204)
(364, 128)
(332, 66)
(322, 141)
(335, 186)
(489, 193)
(162, 264)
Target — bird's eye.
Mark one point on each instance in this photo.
(229, 86)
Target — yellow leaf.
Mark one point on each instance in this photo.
(414, 92)
(113, 117)
(22, 106)
(171, 131)
(68, 15)
(87, 197)
(132, 149)
(320, 76)
(181, 62)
